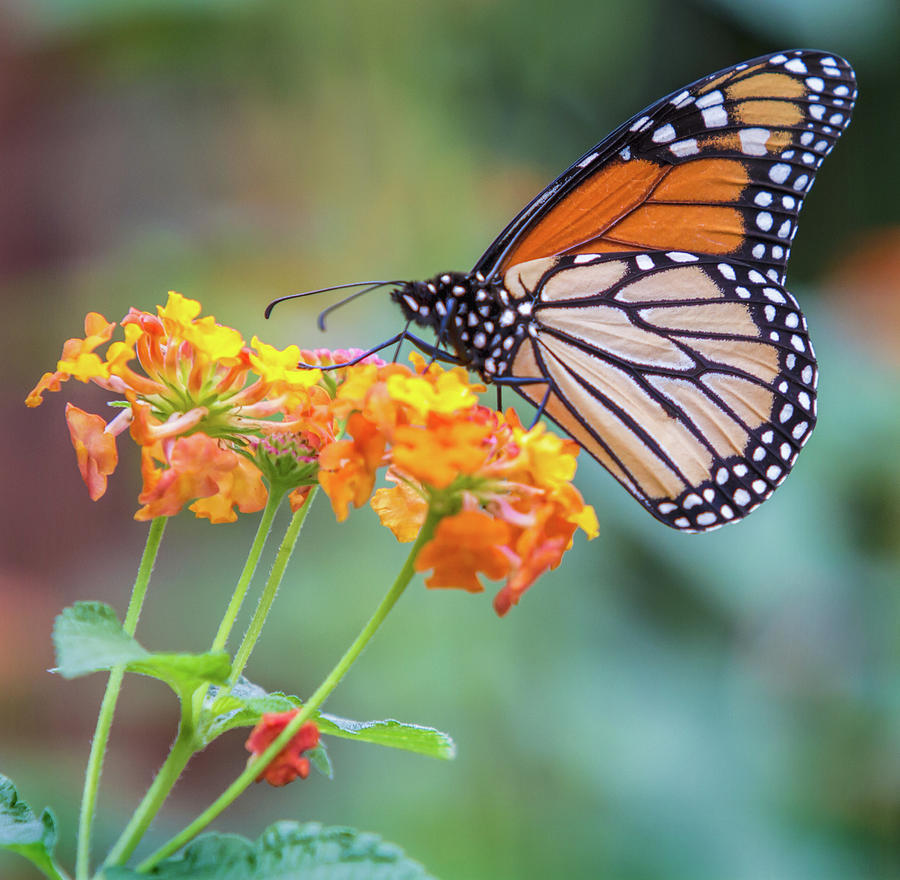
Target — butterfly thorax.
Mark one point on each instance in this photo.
(474, 318)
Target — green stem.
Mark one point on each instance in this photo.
(240, 591)
(258, 764)
(271, 588)
(108, 706)
(181, 752)
(276, 494)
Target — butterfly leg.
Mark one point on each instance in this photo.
(443, 328)
(400, 343)
(540, 409)
(435, 353)
(398, 338)
(517, 381)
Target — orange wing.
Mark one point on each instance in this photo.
(720, 167)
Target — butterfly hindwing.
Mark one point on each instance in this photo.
(690, 378)
(720, 167)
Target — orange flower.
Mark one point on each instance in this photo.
(289, 763)
(184, 377)
(438, 452)
(402, 508)
(347, 467)
(197, 467)
(463, 545)
(95, 449)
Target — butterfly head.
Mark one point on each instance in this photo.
(469, 315)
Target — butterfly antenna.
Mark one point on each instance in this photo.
(327, 311)
(371, 284)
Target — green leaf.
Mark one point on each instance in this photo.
(22, 832)
(321, 760)
(286, 851)
(246, 703)
(89, 638)
(395, 734)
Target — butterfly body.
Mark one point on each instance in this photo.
(639, 300)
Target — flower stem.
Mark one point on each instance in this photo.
(108, 706)
(271, 588)
(181, 752)
(240, 590)
(258, 764)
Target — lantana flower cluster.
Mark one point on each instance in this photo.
(221, 423)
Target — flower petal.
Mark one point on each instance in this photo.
(95, 449)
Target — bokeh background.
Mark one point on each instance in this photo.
(662, 706)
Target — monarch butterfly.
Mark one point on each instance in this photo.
(639, 301)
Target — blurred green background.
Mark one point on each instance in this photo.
(662, 706)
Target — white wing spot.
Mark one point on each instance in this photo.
(807, 373)
(786, 412)
(791, 320)
(817, 111)
(803, 400)
(770, 313)
(685, 148)
(740, 470)
(709, 100)
(755, 277)
(795, 65)
(785, 229)
(742, 292)
(779, 172)
(587, 160)
(797, 342)
(753, 141)
(764, 221)
(681, 257)
(773, 295)
(763, 199)
(692, 500)
(726, 511)
(799, 430)
(682, 522)
(714, 117)
(709, 494)
(759, 251)
(667, 507)
(759, 486)
(759, 453)
(722, 476)
(773, 472)
(816, 83)
(767, 437)
(706, 519)
(742, 497)
(640, 124)
(644, 262)
(663, 134)
(785, 451)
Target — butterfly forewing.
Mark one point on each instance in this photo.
(691, 378)
(720, 167)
